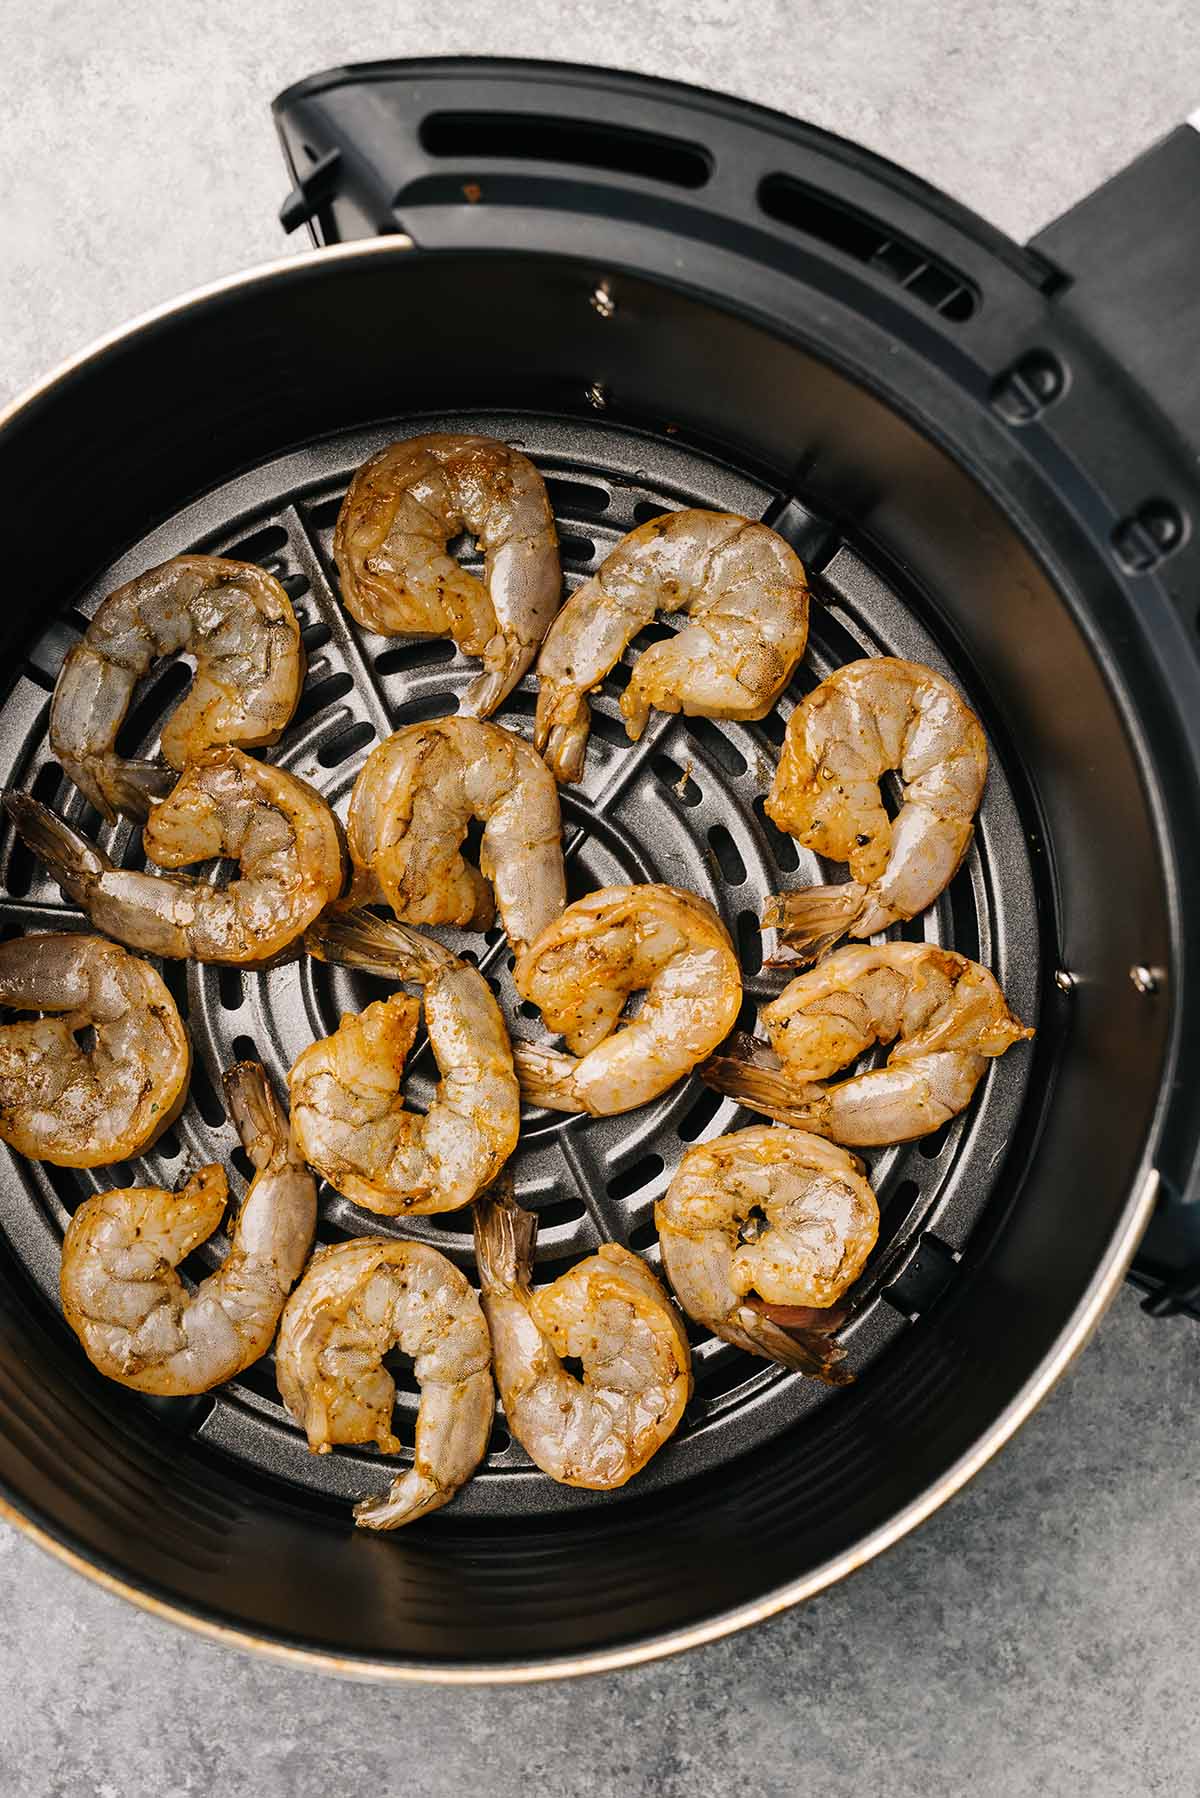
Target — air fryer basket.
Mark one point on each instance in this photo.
(869, 417)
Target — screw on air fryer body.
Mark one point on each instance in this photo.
(602, 300)
(597, 395)
(1145, 980)
(1065, 981)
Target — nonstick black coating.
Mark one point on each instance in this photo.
(172, 438)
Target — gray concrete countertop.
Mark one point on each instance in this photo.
(1036, 1636)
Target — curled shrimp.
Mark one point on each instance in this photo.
(867, 718)
(86, 1107)
(746, 595)
(122, 1296)
(762, 1232)
(401, 511)
(412, 803)
(580, 971)
(345, 1091)
(238, 623)
(946, 1014)
(610, 1313)
(357, 1301)
(281, 833)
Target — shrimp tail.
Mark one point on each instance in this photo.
(810, 922)
(384, 946)
(257, 1115)
(505, 1235)
(749, 1071)
(545, 1076)
(74, 863)
(487, 690)
(127, 788)
(809, 1350)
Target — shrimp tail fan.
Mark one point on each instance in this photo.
(74, 862)
(504, 1238)
(800, 1338)
(809, 922)
(130, 788)
(749, 1071)
(545, 1076)
(257, 1115)
(358, 939)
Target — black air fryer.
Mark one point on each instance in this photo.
(986, 456)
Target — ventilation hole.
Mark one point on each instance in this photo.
(294, 585)
(431, 705)
(424, 652)
(458, 1223)
(499, 1440)
(575, 549)
(733, 868)
(621, 1186)
(747, 1017)
(609, 730)
(144, 718)
(864, 238)
(315, 636)
(229, 987)
(617, 678)
(66, 1186)
(174, 974)
(46, 682)
(646, 509)
(654, 632)
(561, 1211)
(343, 744)
(259, 545)
(528, 1009)
(673, 776)
(207, 1102)
(722, 1374)
(542, 137)
(548, 1271)
(242, 1162)
(245, 1048)
(900, 1202)
(700, 1115)
(169, 1145)
(704, 732)
(774, 728)
(749, 937)
(577, 496)
(643, 1236)
(469, 955)
(23, 865)
(319, 694)
(323, 516)
(932, 1145)
(783, 847)
(493, 936)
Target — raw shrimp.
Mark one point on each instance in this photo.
(281, 833)
(121, 1295)
(409, 813)
(610, 1313)
(238, 623)
(346, 1105)
(762, 1232)
(583, 967)
(82, 1107)
(356, 1301)
(746, 594)
(948, 1017)
(868, 717)
(405, 505)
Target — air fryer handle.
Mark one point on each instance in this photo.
(1131, 255)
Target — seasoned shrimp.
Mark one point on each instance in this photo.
(746, 594)
(608, 1311)
(281, 833)
(762, 1232)
(122, 1296)
(580, 971)
(946, 1014)
(346, 1105)
(357, 1301)
(409, 813)
(868, 717)
(82, 1107)
(405, 505)
(238, 623)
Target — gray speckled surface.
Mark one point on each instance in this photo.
(1036, 1636)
